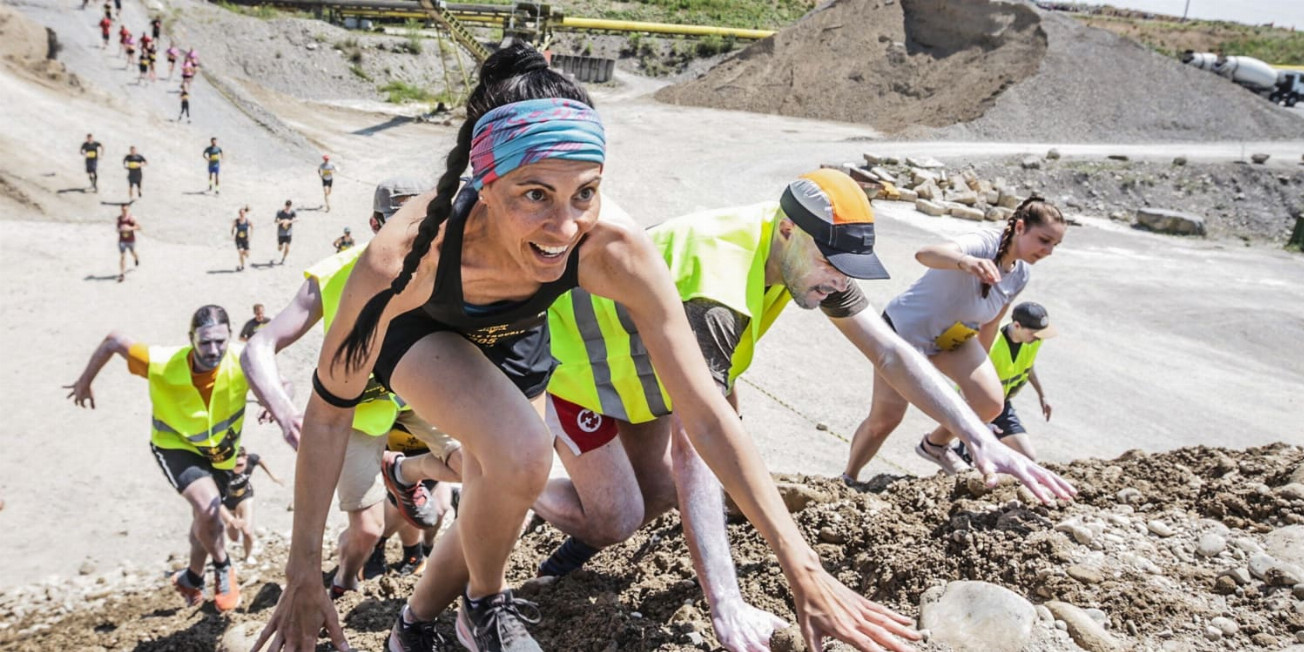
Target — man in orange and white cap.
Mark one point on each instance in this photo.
(628, 457)
(327, 173)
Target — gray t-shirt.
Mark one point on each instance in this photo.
(720, 328)
(284, 225)
(945, 307)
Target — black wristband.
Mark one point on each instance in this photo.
(326, 395)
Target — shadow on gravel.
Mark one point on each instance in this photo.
(92, 277)
(116, 203)
(395, 121)
(194, 192)
(266, 598)
(63, 190)
(227, 270)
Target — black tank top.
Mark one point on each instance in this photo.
(241, 230)
(487, 325)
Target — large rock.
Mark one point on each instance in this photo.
(907, 195)
(798, 496)
(978, 616)
(966, 197)
(929, 190)
(925, 162)
(1286, 544)
(1298, 475)
(965, 213)
(1161, 220)
(1086, 632)
(1010, 200)
(929, 208)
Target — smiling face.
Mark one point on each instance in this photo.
(539, 212)
(210, 345)
(807, 274)
(1032, 244)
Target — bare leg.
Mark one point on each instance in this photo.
(245, 512)
(357, 542)
(886, 410)
(600, 504)
(972, 370)
(206, 529)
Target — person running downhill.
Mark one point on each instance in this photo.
(127, 227)
(153, 61)
(92, 150)
(129, 44)
(379, 418)
(123, 35)
(213, 154)
(285, 219)
(327, 172)
(240, 229)
(185, 102)
(187, 74)
(143, 65)
(156, 26)
(106, 26)
(951, 315)
(255, 324)
(172, 53)
(134, 163)
(197, 393)
(238, 501)
(344, 241)
(736, 270)
(447, 307)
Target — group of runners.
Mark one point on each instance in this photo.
(495, 322)
(143, 52)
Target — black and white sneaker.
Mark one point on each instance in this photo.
(495, 624)
(414, 637)
(375, 564)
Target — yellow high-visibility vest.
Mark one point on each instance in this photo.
(376, 413)
(718, 255)
(1013, 371)
(181, 420)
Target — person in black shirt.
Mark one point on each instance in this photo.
(285, 219)
(185, 103)
(92, 150)
(237, 500)
(213, 154)
(345, 241)
(134, 163)
(254, 324)
(156, 26)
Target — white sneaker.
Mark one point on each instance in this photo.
(945, 457)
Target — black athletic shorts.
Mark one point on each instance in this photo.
(282, 239)
(183, 468)
(242, 244)
(230, 502)
(526, 358)
(92, 164)
(1008, 422)
(326, 183)
(133, 177)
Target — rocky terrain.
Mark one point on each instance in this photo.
(1193, 549)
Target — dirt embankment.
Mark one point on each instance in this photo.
(974, 69)
(1159, 545)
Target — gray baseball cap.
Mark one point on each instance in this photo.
(390, 191)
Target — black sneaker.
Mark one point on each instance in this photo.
(414, 637)
(375, 566)
(495, 624)
(414, 561)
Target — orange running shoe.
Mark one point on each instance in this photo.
(226, 589)
(193, 595)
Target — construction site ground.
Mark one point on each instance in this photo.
(1166, 342)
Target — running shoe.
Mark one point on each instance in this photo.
(414, 637)
(337, 591)
(496, 624)
(942, 456)
(226, 589)
(413, 502)
(414, 563)
(193, 595)
(375, 566)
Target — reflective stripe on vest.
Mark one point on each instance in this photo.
(180, 418)
(719, 256)
(376, 414)
(1013, 372)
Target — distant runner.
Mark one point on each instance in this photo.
(285, 219)
(197, 393)
(127, 228)
(92, 150)
(327, 173)
(134, 163)
(106, 24)
(156, 26)
(143, 64)
(172, 53)
(250, 327)
(123, 35)
(153, 61)
(129, 44)
(344, 242)
(187, 74)
(238, 501)
(185, 101)
(213, 154)
(240, 228)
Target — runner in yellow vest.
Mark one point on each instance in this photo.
(197, 393)
(361, 489)
(1013, 354)
(735, 269)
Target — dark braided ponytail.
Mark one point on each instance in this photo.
(1034, 211)
(513, 74)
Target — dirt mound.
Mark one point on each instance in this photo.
(974, 69)
(30, 49)
(1136, 546)
(919, 62)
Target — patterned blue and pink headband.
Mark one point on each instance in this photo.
(521, 133)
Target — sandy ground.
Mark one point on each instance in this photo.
(1166, 342)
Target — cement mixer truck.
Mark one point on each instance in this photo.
(1284, 87)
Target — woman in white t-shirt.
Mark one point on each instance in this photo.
(967, 289)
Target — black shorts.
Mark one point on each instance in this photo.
(326, 183)
(1008, 422)
(526, 358)
(92, 164)
(133, 177)
(282, 239)
(182, 468)
(230, 502)
(242, 244)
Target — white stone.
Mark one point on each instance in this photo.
(1159, 528)
(929, 208)
(1087, 633)
(1171, 222)
(1210, 545)
(979, 616)
(1227, 626)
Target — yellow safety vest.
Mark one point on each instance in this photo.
(181, 420)
(376, 413)
(718, 255)
(1013, 371)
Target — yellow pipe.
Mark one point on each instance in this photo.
(600, 24)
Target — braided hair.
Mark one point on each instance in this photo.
(513, 74)
(1034, 211)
